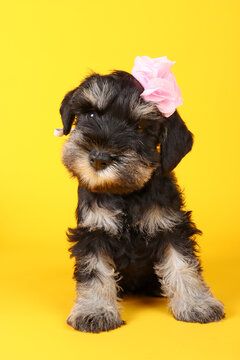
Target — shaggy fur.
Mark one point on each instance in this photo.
(132, 232)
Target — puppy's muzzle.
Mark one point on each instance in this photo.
(99, 160)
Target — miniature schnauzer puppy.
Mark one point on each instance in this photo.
(133, 234)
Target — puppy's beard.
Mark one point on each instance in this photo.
(134, 171)
(91, 178)
(130, 172)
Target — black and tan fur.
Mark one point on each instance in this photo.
(132, 233)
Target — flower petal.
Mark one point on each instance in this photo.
(159, 82)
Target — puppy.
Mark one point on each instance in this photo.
(132, 233)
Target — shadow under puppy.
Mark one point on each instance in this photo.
(132, 233)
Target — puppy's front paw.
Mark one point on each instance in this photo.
(203, 311)
(95, 322)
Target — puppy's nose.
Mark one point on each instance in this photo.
(99, 160)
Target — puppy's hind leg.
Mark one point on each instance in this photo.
(96, 307)
(182, 282)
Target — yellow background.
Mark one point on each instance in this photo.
(47, 47)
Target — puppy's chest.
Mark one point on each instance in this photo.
(120, 217)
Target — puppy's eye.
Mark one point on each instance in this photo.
(92, 115)
(142, 125)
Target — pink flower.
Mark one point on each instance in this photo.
(159, 83)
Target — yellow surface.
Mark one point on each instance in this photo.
(47, 47)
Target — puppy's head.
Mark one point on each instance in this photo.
(114, 146)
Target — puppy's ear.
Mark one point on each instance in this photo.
(67, 112)
(175, 143)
